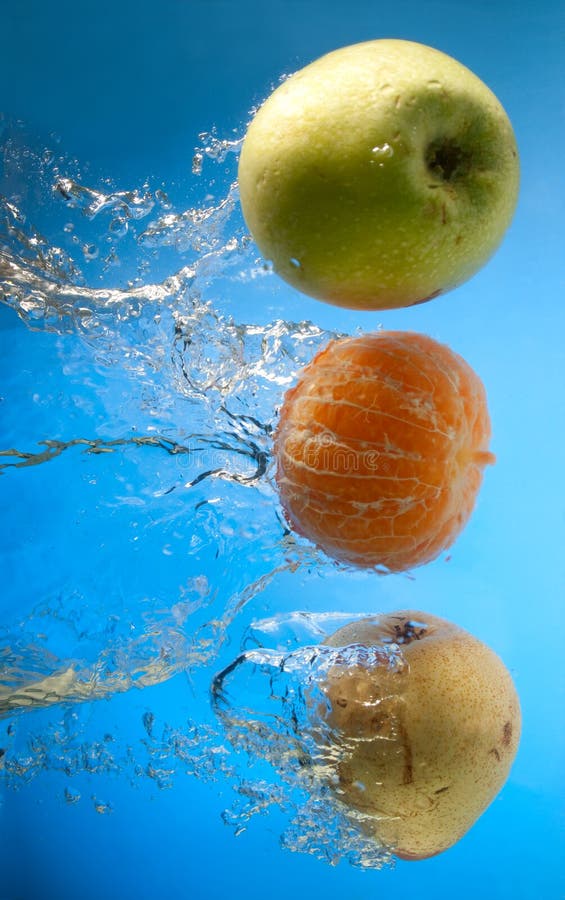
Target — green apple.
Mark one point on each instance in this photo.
(379, 176)
(422, 749)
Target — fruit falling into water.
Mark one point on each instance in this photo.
(380, 449)
(421, 750)
(379, 176)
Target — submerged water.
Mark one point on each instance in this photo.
(141, 443)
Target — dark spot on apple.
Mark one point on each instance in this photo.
(507, 734)
(442, 790)
(459, 238)
(341, 701)
(447, 161)
(495, 752)
(431, 296)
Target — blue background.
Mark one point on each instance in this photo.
(127, 87)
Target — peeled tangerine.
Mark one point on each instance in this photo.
(421, 750)
(380, 449)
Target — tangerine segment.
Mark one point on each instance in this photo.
(381, 447)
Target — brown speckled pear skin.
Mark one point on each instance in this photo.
(424, 749)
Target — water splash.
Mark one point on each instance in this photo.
(284, 722)
(269, 739)
(178, 401)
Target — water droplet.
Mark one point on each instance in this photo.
(295, 263)
(383, 151)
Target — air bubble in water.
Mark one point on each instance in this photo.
(71, 796)
(163, 199)
(197, 161)
(90, 251)
(101, 806)
(118, 226)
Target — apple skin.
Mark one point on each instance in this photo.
(379, 176)
(424, 749)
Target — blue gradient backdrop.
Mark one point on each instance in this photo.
(128, 86)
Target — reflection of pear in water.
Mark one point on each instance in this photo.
(68, 684)
(40, 692)
(424, 750)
